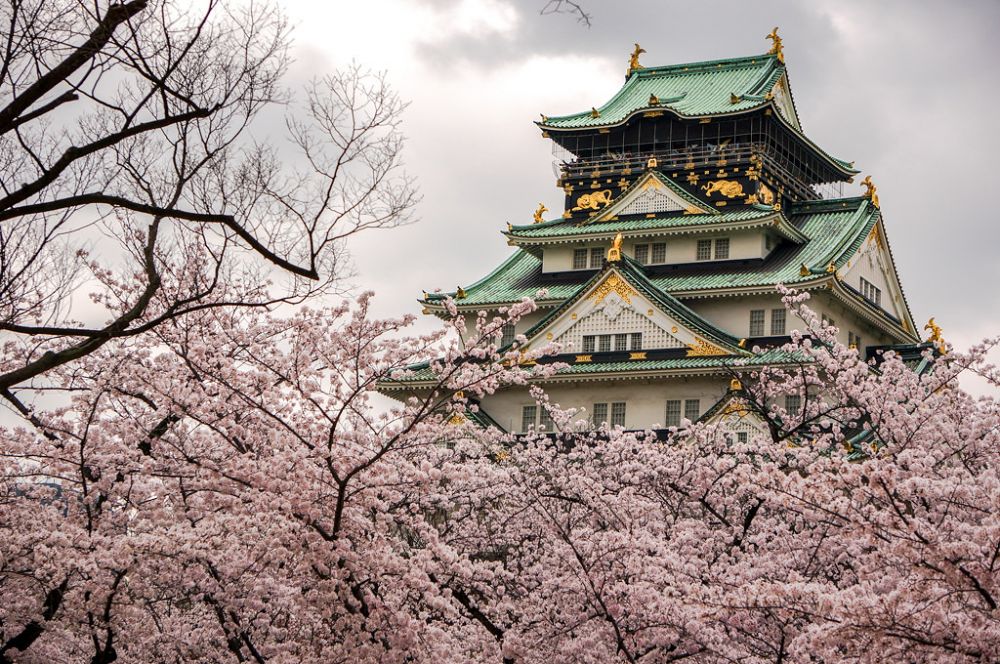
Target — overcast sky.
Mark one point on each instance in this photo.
(908, 89)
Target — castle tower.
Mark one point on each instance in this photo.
(689, 196)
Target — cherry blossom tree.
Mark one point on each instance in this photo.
(227, 489)
(134, 168)
(224, 490)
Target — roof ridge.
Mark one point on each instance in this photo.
(702, 64)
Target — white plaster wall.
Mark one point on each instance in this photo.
(732, 314)
(646, 399)
(680, 249)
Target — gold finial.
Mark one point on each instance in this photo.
(426, 295)
(545, 118)
(539, 212)
(870, 190)
(743, 343)
(633, 61)
(776, 45)
(615, 252)
(510, 227)
(460, 293)
(654, 100)
(804, 271)
(594, 113)
(935, 336)
(831, 268)
(652, 163)
(734, 98)
(735, 384)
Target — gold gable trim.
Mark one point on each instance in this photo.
(613, 284)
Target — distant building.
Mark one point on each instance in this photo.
(689, 196)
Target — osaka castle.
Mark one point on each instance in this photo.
(690, 195)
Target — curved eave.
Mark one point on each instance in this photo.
(873, 314)
(777, 221)
(837, 164)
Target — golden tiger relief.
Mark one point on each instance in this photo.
(728, 188)
(593, 201)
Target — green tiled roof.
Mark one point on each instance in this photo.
(696, 89)
(692, 90)
(423, 373)
(835, 228)
(563, 228)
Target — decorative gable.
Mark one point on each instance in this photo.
(873, 264)
(783, 100)
(653, 194)
(733, 414)
(613, 307)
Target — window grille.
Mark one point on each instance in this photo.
(545, 420)
(870, 292)
(528, 414)
(704, 250)
(600, 415)
(637, 341)
(756, 322)
(621, 342)
(642, 254)
(777, 322)
(579, 259)
(589, 343)
(596, 258)
(793, 404)
(742, 436)
(618, 414)
(673, 416)
(605, 343)
(692, 409)
(659, 253)
(722, 248)
(506, 334)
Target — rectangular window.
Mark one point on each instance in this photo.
(637, 341)
(528, 417)
(596, 258)
(853, 340)
(600, 415)
(659, 253)
(777, 322)
(673, 418)
(506, 334)
(756, 322)
(692, 409)
(704, 250)
(589, 343)
(722, 248)
(618, 414)
(829, 322)
(870, 292)
(642, 254)
(621, 342)
(579, 259)
(793, 404)
(605, 346)
(742, 436)
(545, 420)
